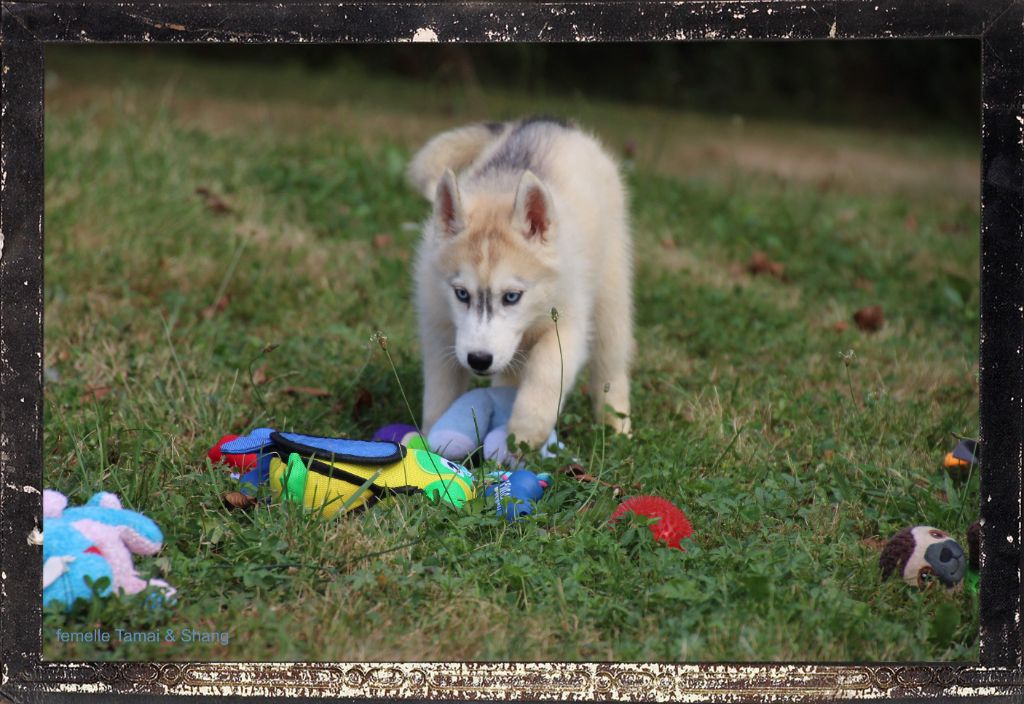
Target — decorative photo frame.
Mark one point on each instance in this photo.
(27, 27)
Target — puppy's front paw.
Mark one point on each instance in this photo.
(533, 431)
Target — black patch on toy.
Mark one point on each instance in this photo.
(360, 452)
(968, 451)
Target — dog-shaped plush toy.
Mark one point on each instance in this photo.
(923, 555)
(95, 540)
(477, 420)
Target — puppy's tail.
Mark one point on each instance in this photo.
(454, 149)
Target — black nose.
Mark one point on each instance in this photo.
(947, 559)
(480, 361)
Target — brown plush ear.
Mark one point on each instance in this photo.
(974, 545)
(448, 206)
(896, 553)
(533, 213)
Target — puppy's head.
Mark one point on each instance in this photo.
(498, 267)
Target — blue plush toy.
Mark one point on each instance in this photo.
(480, 416)
(68, 558)
(95, 540)
(516, 493)
(257, 443)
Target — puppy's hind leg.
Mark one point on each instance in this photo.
(612, 348)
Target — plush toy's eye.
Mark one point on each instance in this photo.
(462, 294)
(925, 577)
(511, 297)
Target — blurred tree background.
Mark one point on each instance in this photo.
(892, 84)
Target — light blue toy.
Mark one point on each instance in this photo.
(480, 416)
(95, 540)
(68, 558)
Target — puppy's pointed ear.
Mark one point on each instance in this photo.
(533, 213)
(448, 215)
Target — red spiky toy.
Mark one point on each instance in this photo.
(673, 526)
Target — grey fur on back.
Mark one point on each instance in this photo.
(517, 147)
(523, 148)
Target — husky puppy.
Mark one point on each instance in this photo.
(535, 221)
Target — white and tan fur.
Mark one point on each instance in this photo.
(537, 209)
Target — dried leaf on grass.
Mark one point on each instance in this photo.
(869, 319)
(213, 201)
(95, 393)
(259, 377)
(760, 263)
(579, 473)
(874, 543)
(237, 500)
(306, 391)
(363, 403)
(217, 306)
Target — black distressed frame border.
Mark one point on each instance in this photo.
(25, 27)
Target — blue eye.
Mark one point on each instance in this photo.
(462, 294)
(511, 298)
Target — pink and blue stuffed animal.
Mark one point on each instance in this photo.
(477, 418)
(517, 493)
(95, 540)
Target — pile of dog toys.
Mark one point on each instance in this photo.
(336, 475)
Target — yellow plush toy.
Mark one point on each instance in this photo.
(334, 474)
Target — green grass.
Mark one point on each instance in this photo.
(792, 447)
